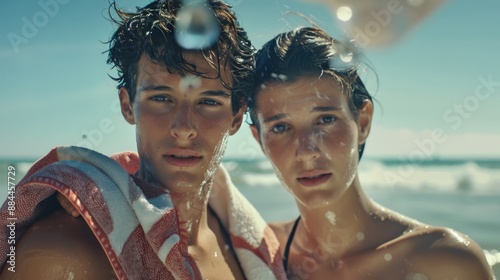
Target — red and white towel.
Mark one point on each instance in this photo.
(136, 223)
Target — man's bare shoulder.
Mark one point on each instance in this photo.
(60, 247)
(443, 253)
(282, 231)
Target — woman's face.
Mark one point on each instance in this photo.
(310, 135)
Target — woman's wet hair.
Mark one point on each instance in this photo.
(305, 52)
(150, 31)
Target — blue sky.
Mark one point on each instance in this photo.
(55, 86)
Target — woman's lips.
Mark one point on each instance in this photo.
(314, 180)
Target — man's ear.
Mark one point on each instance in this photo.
(365, 115)
(127, 110)
(237, 120)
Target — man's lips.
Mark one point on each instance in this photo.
(182, 157)
(313, 178)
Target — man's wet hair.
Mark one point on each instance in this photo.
(150, 31)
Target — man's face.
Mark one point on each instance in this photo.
(182, 123)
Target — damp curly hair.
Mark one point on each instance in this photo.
(150, 31)
(306, 51)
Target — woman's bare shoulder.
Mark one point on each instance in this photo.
(443, 253)
(59, 246)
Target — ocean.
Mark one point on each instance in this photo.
(456, 193)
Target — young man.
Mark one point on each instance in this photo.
(184, 104)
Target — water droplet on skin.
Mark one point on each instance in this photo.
(360, 236)
(188, 82)
(331, 217)
(388, 257)
(215, 254)
(196, 26)
(416, 276)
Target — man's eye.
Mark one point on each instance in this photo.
(327, 120)
(279, 128)
(160, 98)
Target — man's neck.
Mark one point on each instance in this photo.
(192, 211)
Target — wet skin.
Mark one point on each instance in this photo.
(311, 136)
(182, 124)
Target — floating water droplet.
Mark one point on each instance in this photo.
(196, 26)
(344, 13)
(346, 57)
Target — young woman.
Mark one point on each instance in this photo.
(312, 119)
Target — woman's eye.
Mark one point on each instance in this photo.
(326, 119)
(210, 102)
(279, 128)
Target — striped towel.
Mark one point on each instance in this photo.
(136, 223)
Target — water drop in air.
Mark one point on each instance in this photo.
(196, 26)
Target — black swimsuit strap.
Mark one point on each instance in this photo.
(288, 243)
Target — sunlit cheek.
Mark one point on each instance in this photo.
(218, 153)
(279, 155)
(351, 166)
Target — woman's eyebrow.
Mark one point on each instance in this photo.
(325, 109)
(216, 93)
(275, 118)
(315, 109)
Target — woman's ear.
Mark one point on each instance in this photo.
(256, 136)
(255, 133)
(127, 110)
(365, 115)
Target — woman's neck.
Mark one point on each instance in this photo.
(339, 229)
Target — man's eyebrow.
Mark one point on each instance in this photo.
(155, 88)
(216, 93)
